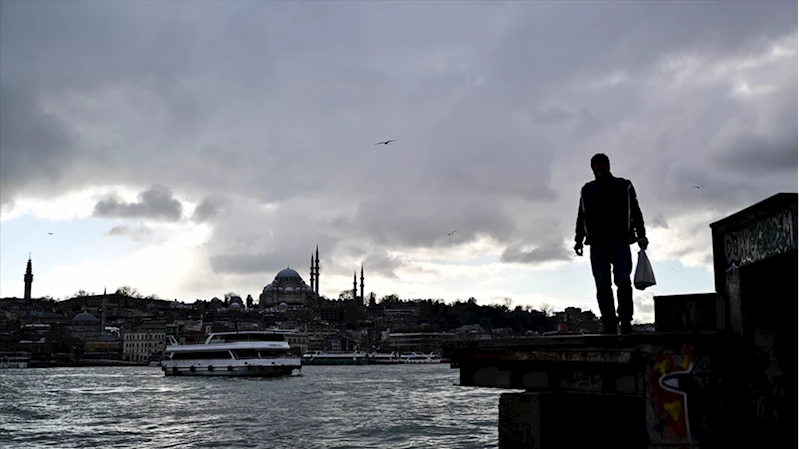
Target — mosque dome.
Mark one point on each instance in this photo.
(234, 306)
(283, 306)
(288, 273)
(85, 316)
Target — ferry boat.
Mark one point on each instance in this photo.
(155, 359)
(248, 353)
(334, 358)
(384, 359)
(414, 358)
(14, 359)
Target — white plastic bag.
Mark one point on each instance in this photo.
(644, 276)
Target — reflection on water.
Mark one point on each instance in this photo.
(396, 406)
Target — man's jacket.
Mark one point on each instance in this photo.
(609, 213)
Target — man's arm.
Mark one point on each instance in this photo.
(579, 230)
(636, 217)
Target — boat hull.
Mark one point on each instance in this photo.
(13, 365)
(337, 361)
(233, 368)
(385, 362)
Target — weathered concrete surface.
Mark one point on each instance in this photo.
(570, 420)
(677, 378)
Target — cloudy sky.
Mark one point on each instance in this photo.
(190, 150)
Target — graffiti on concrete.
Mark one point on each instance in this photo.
(681, 398)
(769, 236)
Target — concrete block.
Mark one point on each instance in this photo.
(570, 419)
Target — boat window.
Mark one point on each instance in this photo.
(247, 337)
(205, 355)
(254, 353)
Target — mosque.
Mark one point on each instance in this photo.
(289, 290)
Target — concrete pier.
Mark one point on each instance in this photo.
(720, 373)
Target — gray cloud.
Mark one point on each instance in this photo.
(156, 203)
(209, 207)
(551, 252)
(383, 264)
(496, 114)
(34, 146)
(658, 221)
(758, 155)
(137, 234)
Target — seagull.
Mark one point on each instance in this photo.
(452, 232)
(386, 142)
(699, 187)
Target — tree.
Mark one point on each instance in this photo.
(345, 294)
(508, 302)
(249, 301)
(547, 310)
(129, 291)
(231, 295)
(80, 294)
(392, 298)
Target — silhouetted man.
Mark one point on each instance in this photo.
(609, 220)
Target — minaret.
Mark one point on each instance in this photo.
(28, 279)
(316, 279)
(362, 296)
(102, 316)
(312, 272)
(355, 285)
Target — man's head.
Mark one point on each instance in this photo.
(600, 164)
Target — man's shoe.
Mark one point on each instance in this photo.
(608, 329)
(626, 328)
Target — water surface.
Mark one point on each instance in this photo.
(401, 406)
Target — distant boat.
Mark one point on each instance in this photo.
(414, 358)
(334, 358)
(247, 354)
(377, 358)
(14, 359)
(155, 359)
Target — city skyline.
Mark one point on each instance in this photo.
(193, 150)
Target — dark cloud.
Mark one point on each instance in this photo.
(36, 148)
(423, 221)
(759, 155)
(137, 234)
(209, 207)
(383, 264)
(551, 252)
(259, 263)
(156, 203)
(276, 105)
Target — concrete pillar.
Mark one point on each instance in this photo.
(571, 419)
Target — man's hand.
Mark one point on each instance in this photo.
(643, 243)
(578, 249)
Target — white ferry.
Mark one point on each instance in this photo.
(334, 358)
(415, 358)
(384, 359)
(14, 359)
(247, 353)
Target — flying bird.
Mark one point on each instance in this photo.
(452, 232)
(50, 233)
(699, 187)
(386, 142)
